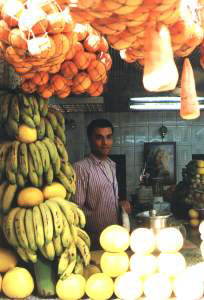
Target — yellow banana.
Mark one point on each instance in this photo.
(74, 232)
(30, 231)
(8, 197)
(72, 251)
(57, 216)
(47, 222)
(32, 255)
(14, 156)
(20, 228)
(63, 261)
(79, 267)
(84, 250)
(38, 227)
(22, 253)
(65, 207)
(49, 250)
(68, 270)
(58, 245)
(82, 218)
(9, 227)
(3, 186)
(66, 233)
(84, 236)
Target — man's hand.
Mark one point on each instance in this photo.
(126, 205)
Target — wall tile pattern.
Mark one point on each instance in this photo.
(132, 129)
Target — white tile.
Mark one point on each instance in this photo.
(129, 156)
(139, 154)
(116, 136)
(141, 134)
(155, 116)
(127, 135)
(183, 154)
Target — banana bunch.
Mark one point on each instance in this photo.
(51, 126)
(17, 109)
(55, 228)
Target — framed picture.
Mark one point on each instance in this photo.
(160, 162)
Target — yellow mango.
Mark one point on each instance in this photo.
(55, 189)
(8, 260)
(29, 197)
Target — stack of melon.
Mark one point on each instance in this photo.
(44, 45)
(153, 268)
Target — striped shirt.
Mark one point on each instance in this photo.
(97, 194)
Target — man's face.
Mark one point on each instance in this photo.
(101, 142)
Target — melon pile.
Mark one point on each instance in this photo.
(53, 54)
(153, 267)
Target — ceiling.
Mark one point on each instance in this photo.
(125, 81)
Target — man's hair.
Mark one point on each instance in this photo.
(98, 123)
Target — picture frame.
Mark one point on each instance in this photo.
(160, 162)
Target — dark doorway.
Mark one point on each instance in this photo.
(120, 161)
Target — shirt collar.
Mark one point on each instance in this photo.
(99, 161)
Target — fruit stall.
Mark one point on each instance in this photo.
(59, 48)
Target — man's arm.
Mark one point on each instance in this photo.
(81, 185)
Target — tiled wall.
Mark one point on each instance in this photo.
(132, 129)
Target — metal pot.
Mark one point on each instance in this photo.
(153, 219)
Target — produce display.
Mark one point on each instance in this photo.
(52, 54)
(38, 221)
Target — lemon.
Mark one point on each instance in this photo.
(71, 288)
(115, 238)
(17, 283)
(99, 287)
(193, 214)
(114, 264)
(142, 241)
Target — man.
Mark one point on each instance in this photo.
(97, 187)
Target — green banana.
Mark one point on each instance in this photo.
(30, 231)
(66, 233)
(84, 250)
(61, 149)
(14, 156)
(23, 159)
(4, 150)
(32, 255)
(26, 107)
(45, 109)
(12, 128)
(49, 250)
(38, 227)
(66, 182)
(41, 129)
(27, 120)
(20, 228)
(14, 108)
(60, 118)
(8, 197)
(51, 149)
(20, 180)
(52, 119)
(57, 165)
(47, 222)
(33, 149)
(32, 174)
(11, 176)
(63, 261)
(65, 207)
(4, 109)
(36, 115)
(49, 132)
(22, 253)
(44, 154)
(3, 186)
(49, 176)
(60, 132)
(9, 227)
(58, 245)
(68, 170)
(41, 103)
(57, 216)
(40, 181)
